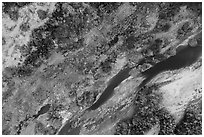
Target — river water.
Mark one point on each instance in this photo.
(109, 91)
(43, 110)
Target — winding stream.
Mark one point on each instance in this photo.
(108, 92)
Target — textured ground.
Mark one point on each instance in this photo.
(59, 59)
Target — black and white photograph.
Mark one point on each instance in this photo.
(101, 68)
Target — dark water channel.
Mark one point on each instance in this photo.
(43, 110)
(183, 58)
(108, 92)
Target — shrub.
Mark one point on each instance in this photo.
(190, 124)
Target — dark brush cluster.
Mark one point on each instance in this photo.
(169, 9)
(136, 125)
(166, 122)
(106, 65)
(8, 5)
(190, 124)
(105, 7)
(42, 44)
(11, 8)
(185, 30)
(87, 98)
